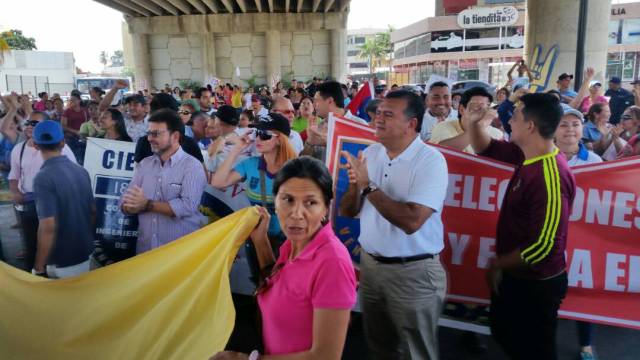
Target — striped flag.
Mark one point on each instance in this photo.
(359, 102)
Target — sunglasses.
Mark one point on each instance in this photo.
(31, 123)
(184, 112)
(265, 135)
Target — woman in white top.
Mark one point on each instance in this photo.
(568, 139)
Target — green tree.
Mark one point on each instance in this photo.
(377, 50)
(17, 41)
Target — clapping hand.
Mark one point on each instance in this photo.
(134, 200)
(357, 169)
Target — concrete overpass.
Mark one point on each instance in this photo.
(171, 40)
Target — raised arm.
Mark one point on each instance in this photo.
(106, 101)
(584, 88)
(478, 137)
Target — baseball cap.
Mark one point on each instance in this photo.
(228, 115)
(615, 80)
(48, 132)
(594, 82)
(564, 76)
(273, 121)
(568, 110)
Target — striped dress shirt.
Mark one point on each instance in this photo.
(180, 182)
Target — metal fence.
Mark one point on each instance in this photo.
(35, 84)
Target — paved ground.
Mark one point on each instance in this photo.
(611, 342)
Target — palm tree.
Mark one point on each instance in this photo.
(378, 50)
(104, 56)
(372, 51)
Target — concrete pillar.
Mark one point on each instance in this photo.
(339, 54)
(272, 52)
(208, 57)
(552, 24)
(439, 8)
(142, 61)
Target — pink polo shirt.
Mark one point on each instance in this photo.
(321, 277)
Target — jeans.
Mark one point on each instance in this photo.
(29, 228)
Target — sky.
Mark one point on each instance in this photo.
(86, 27)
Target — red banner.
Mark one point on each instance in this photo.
(603, 249)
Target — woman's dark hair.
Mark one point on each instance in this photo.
(98, 90)
(121, 128)
(306, 167)
(594, 110)
(249, 115)
(506, 91)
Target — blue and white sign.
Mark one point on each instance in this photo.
(110, 165)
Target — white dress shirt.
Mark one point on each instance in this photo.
(418, 175)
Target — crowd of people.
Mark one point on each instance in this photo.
(273, 142)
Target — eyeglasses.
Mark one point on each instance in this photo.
(184, 112)
(156, 133)
(265, 135)
(31, 123)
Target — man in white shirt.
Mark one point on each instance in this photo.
(397, 188)
(136, 118)
(454, 133)
(284, 107)
(438, 108)
(26, 161)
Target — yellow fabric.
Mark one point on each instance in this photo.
(170, 303)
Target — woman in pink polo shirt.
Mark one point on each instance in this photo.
(306, 296)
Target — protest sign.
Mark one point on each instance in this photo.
(110, 165)
(603, 247)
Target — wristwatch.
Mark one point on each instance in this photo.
(255, 355)
(369, 189)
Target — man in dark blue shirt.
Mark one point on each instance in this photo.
(620, 99)
(65, 208)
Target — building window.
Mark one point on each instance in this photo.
(358, 65)
(614, 65)
(359, 40)
(423, 44)
(398, 50)
(468, 70)
(353, 53)
(631, 31)
(628, 66)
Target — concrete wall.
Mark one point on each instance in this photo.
(174, 58)
(267, 46)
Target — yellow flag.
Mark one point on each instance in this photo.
(170, 303)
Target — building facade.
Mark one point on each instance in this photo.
(357, 65)
(26, 71)
(439, 45)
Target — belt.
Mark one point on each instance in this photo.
(401, 259)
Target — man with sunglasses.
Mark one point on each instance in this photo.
(284, 107)
(166, 187)
(26, 161)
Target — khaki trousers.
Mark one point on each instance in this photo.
(401, 305)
